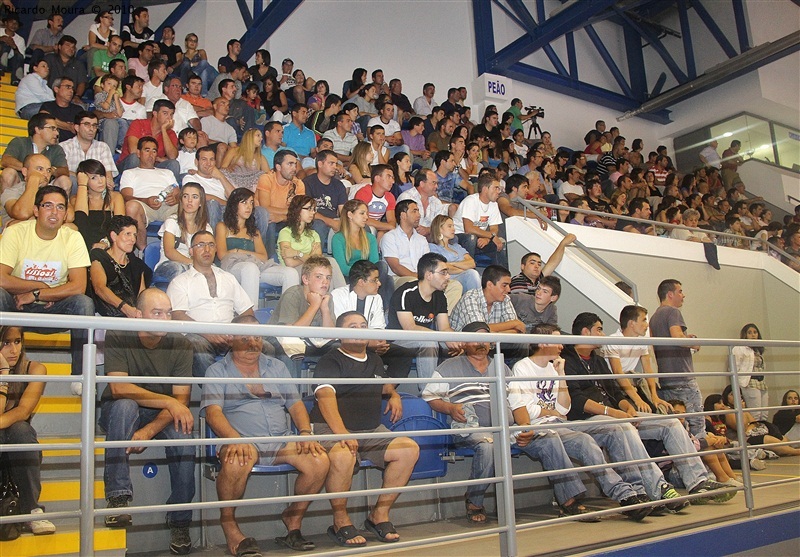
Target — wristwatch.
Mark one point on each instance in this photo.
(35, 295)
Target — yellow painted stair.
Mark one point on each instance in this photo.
(67, 490)
(56, 341)
(62, 543)
(58, 405)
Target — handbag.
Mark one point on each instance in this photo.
(9, 506)
(232, 258)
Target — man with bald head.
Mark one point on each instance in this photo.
(144, 411)
(17, 200)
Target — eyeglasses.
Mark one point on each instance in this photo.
(204, 245)
(443, 272)
(89, 125)
(374, 280)
(311, 208)
(51, 128)
(49, 205)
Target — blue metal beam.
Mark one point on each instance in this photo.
(258, 7)
(181, 10)
(686, 36)
(741, 25)
(125, 13)
(590, 93)
(568, 19)
(512, 16)
(266, 24)
(657, 46)
(662, 79)
(716, 32)
(572, 57)
(247, 18)
(484, 33)
(635, 56)
(523, 14)
(609, 61)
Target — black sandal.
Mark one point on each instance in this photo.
(344, 534)
(248, 547)
(295, 540)
(576, 509)
(472, 514)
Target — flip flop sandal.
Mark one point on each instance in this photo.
(248, 548)
(381, 529)
(344, 534)
(473, 513)
(295, 540)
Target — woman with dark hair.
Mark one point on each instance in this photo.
(177, 230)
(117, 275)
(352, 87)
(17, 403)
(321, 92)
(297, 241)
(757, 432)
(470, 163)
(262, 69)
(401, 168)
(561, 160)
(635, 154)
(750, 367)
(788, 419)
(241, 250)
(593, 145)
(94, 203)
(273, 99)
(99, 33)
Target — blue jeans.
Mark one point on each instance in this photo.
(72, 305)
(469, 279)
(580, 446)
(323, 230)
(121, 419)
(547, 448)
(27, 111)
(689, 393)
(676, 441)
(622, 442)
(168, 270)
(204, 70)
(112, 132)
(470, 243)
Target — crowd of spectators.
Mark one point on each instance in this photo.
(364, 210)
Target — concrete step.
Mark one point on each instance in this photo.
(107, 542)
(67, 490)
(7, 92)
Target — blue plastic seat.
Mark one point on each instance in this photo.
(418, 416)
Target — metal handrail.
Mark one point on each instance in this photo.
(504, 477)
(535, 204)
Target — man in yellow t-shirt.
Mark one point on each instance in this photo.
(43, 267)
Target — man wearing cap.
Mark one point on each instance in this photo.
(571, 188)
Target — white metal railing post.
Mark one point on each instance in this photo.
(87, 445)
(740, 434)
(502, 455)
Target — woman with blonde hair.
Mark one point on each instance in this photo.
(460, 264)
(360, 167)
(244, 165)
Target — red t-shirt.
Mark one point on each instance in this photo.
(143, 128)
(376, 206)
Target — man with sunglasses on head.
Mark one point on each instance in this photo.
(43, 267)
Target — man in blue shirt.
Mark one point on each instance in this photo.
(297, 136)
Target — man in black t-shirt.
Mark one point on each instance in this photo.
(356, 408)
(144, 411)
(133, 34)
(421, 306)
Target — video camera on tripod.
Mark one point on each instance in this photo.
(534, 112)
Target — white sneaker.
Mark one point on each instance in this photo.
(757, 464)
(41, 527)
(76, 388)
(733, 483)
